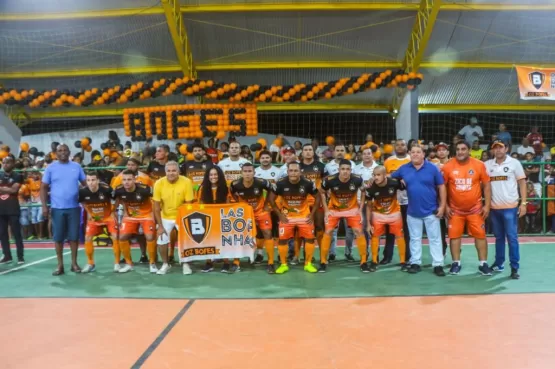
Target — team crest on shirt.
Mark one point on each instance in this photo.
(101, 197)
(352, 187)
(256, 191)
(391, 190)
(506, 169)
(203, 166)
(455, 172)
(138, 197)
(315, 168)
(336, 188)
(273, 174)
(301, 190)
(471, 172)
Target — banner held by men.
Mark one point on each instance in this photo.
(216, 232)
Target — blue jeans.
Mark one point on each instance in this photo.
(65, 224)
(505, 226)
(349, 237)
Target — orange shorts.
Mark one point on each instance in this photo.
(353, 221)
(475, 222)
(395, 227)
(287, 231)
(95, 228)
(131, 226)
(263, 220)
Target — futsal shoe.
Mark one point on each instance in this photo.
(117, 268)
(20, 261)
(235, 268)
(331, 257)
(143, 259)
(310, 268)
(405, 267)
(514, 273)
(126, 268)
(6, 260)
(271, 269)
(485, 269)
(259, 259)
(385, 261)
(373, 267)
(455, 268)
(349, 258)
(207, 268)
(323, 268)
(164, 269)
(171, 260)
(414, 269)
(153, 268)
(283, 268)
(294, 261)
(89, 268)
(364, 268)
(497, 268)
(187, 269)
(225, 268)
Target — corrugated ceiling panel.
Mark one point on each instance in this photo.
(68, 6)
(86, 43)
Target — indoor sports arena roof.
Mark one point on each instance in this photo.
(466, 50)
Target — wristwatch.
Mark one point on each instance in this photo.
(524, 203)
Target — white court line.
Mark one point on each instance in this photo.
(30, 264)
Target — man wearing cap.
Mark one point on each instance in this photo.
(288, 154)
(472, 131)
(507, 182)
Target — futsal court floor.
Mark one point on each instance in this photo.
(340, 319)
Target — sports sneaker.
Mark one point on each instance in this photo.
(349, 258)
(171, 260)
(283, 268)
(497, 268)
(414, 268)
(5, 260)
(20, 261)
(485, 269)
(323, 267)
(225, 268)
(153, 268)
(364, 268)
(271, 269)
(331, 257)
(455, 268)
(310, 268)
(373, 267)
(259, 259)
(164, 269)
(143, 259)
(126, 268)
(117, 268)
(88, 268)
(187, 269)
(294, 261)
(514, 273)
(385, 261)
(438, 270)
(207, 268)
(235, 268)
(405, 267)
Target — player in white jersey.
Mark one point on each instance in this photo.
(232, 165)
(266, 170)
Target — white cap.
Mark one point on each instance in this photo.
(473, 120)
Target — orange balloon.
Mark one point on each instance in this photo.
(330, 140)
(220, 135)
(85, 142)
(24, 146)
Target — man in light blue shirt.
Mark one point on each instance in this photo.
(423, 182)
(504, 136)
(61, 179)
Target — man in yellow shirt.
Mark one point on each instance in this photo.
(170, 192)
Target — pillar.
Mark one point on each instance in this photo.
(406, 123)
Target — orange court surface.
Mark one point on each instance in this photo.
(340, 319)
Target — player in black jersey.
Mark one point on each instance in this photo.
(252, 190)
(96, 198)
(195, 169)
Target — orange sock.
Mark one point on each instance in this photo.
(117, 252)
(361, 244)
(402, 246)
(236, 262)
(375, 246)
(126, 251)
(283, 250)
(269, 246)
(89, 250)
(325, 248)
(151, 250)
(319, 235)
(309, 250)
(259, 243)
(297, 246)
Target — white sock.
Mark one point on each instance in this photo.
(457, 262)
(260, 251)
(482, 262)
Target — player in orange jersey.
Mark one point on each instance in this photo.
(464, 179)
(137, 202)
(295, 214)
(251, 190)
(96, 198)
(383, 211)
(141, 178)
(343, 189)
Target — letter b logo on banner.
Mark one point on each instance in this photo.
(197, 225)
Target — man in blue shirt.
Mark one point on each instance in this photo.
(62, 179)
(423, 182)
(504, 136)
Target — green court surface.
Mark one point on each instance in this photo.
(342, 279)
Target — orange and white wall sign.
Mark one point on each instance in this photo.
(536, 83)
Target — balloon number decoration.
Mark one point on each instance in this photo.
(190, 121)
